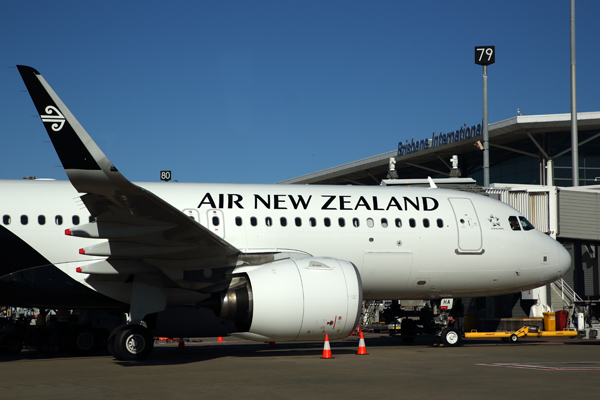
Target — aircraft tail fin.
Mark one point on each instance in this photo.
(77, 151)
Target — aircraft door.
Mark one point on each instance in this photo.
(192, 213)
(216, 222)
(467, 223)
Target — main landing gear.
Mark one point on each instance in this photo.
(131, 342)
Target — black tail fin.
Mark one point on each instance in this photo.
(74, 146)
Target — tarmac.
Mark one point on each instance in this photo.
(545, 368)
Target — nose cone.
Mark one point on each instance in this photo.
(564, 260)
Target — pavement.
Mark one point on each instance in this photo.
(532, 368)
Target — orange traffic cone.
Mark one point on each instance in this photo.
(326, 348)
(362, 349)
(181, 343)
(220, 339)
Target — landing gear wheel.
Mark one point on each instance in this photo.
(408, 330)
(130, 343)
(514, 338)
(81, 341)
(10, 344)
(450, 337)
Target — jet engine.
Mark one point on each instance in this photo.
(294, 299)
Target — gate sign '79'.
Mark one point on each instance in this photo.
(485, 55)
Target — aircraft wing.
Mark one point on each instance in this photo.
(138, 224)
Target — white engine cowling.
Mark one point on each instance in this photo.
(302, 299)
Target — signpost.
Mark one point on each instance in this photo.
(165, 176)
(485, 55)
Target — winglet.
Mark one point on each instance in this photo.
(81, 158)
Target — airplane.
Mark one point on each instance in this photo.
(269, 263)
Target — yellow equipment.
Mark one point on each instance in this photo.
(526, 331)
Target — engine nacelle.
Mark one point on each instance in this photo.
(295, 299)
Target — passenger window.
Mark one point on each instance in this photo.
(370, 222)
(215, 221)
(58, 219)
(426, 222)
(527, 226)
(514, 223)
(342, 222)
(355, 222)
(41, 220)
(238, 221)
(92, 219)
(398, 223)
(253, 221)
(75, 220)
(268, 221)
(384, 223)
(283, 221)
(412, 222)
(24, 220)
(298, 221)
(312, 221)
(327, 222)
(6, 220)
(440, 223)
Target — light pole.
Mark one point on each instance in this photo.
(485, 55)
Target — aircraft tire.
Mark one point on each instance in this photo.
(82, 340)
(10, 344)
(408, 330)
(450, 337)
(131, 343)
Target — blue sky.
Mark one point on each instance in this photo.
(263, 91)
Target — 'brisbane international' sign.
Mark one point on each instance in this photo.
(465, 132)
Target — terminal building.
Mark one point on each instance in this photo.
(530, 169)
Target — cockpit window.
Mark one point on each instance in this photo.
(514, 223)
(527, 226)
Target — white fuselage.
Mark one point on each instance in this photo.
(406, 242)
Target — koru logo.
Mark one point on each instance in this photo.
(55, 117)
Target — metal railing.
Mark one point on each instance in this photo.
(566, 293)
